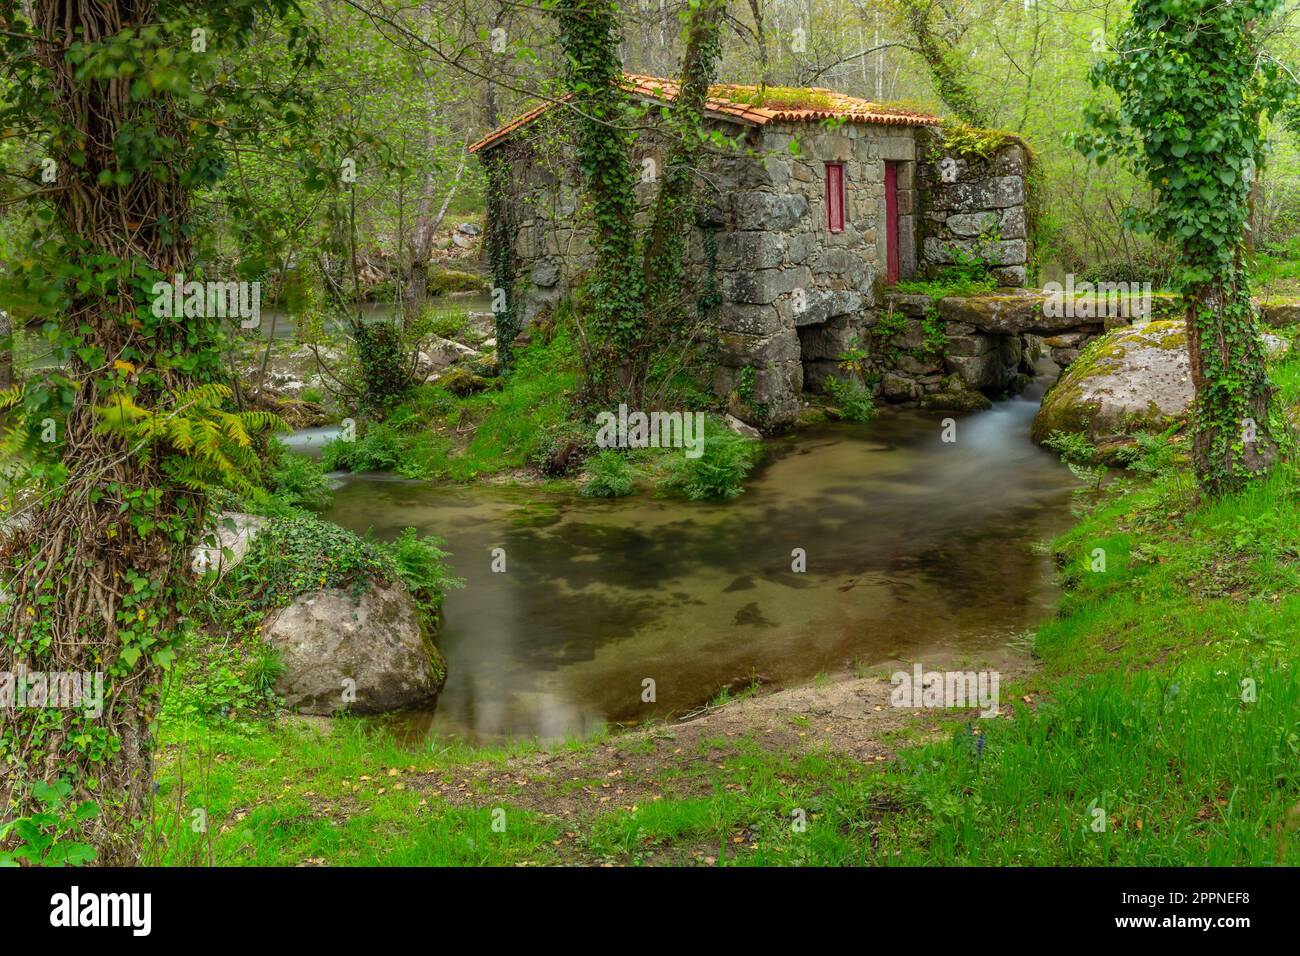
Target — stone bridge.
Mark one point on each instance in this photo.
(994, 339)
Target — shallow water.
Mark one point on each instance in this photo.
(916, 549)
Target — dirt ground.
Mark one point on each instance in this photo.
(846, 715)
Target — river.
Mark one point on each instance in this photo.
(916, 549)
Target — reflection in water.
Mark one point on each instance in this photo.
(915, 548)
(310, 441)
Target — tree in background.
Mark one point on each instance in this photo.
(1194, 88)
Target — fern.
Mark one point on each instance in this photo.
(202, 445)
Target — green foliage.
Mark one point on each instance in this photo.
(300, 554)
(297, 481)
(975, 142)
(227, 680)
(422, 564)
(1143, 267)
(610, 476)
(934, 331)
(384, 363)
(49, 837)
(1081, 457)
(1073, 447)
(852, 399)
(201, 445)
(379, 448)
(1156, 455)
(721, 470)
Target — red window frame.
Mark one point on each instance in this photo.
(835, 197)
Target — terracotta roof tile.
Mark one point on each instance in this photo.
(848, 108)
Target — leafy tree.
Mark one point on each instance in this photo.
(132, 105)
(1194, 87)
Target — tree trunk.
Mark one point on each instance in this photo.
(939, 56)
(96, 574)
(1231, 440)
(6, 351)
(663, 262)
(590, 37)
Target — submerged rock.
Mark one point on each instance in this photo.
(366, 652)
(957, 400)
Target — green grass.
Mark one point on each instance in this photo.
(512, 425)
(1162, 728)
(280, 797)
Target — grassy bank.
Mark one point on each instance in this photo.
(532, 426)
(1162, 727)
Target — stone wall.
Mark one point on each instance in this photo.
(978, 210)
(795, 296)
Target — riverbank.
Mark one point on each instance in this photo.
(1158, 727)
(1159, 723)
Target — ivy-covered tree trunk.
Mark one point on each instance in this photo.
(96, 571)
(943, 61)
(638, 284)
(6, 350)
(96, 575)
(664, 259)
(1231, 438)
(590, 36)
(1194, 89)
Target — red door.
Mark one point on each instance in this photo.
(891, 222)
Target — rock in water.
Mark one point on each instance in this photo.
(332, 642)
(740, 428)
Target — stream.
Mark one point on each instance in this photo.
(917, 549)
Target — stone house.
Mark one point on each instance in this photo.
(825, 202)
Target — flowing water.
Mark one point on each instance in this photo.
(916, 549)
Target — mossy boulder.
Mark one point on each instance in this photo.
(1129, 380)
(366, 652)
(461, 381)
(957, 400)
(444, 281)
(1280, 313)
